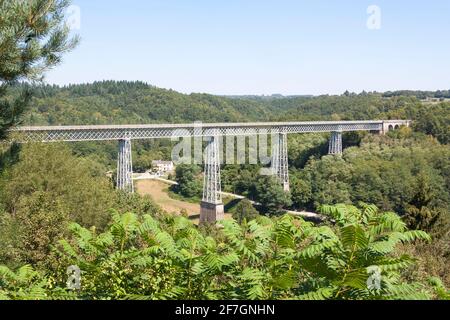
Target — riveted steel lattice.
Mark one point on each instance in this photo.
(279, 164)
(125, 167)
(211, 184)
(118, 132)
(335, 146)
(211, 194)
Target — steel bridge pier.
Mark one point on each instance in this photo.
(211, 207)
(335, 146)
(125, 167)
(279, 165)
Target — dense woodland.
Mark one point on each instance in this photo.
(58, 208)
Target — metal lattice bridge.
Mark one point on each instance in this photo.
(211, 207)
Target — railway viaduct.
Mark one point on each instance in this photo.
(212, 208)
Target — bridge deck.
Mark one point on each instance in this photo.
(149, 131)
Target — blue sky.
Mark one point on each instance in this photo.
(262, 47)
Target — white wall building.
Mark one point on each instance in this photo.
(162, 166)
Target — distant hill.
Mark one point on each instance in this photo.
(122, 102)
(440, 94)
(264, 97)
(113, 102)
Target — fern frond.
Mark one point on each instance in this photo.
(316, 249)
(167, 244)
(229, 259)
(353, 237)
(412, 235)
(67, 248)
(7, 274)
(405, 291)
(285, 280)
(320, 294)
(253, 283)
(441, 292)
(356, 279)
(395, 264)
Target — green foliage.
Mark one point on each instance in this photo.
(189, 183)
(45, 187)
(245, 211)
(134, 102)
(423, 95)
(283, 258)
(345, 107)
(39, 220)
(441, 292)
(240, 179)
(301, 192)
(137, 102)
(24, 284)
(271, 196)
(28, 284)
(51, 168)
(365, 239)
(136, 203)
(33, 40)
(302, 147)
(326, 182)
(11, 109)
(407, 175)
(394, 174)
(435, 120)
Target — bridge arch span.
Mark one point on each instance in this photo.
(391, 125)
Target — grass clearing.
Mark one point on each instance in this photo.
(159, 191)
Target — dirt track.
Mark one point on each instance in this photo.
(158, 191)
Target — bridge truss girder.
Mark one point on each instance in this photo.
(102, 133)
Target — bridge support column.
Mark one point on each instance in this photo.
(335, 146)
(125, 167)
(280, 160)
(211, 207)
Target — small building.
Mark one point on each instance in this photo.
(162, 166)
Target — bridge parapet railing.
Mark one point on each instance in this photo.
(96, 133)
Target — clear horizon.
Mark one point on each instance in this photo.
(262, 47)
